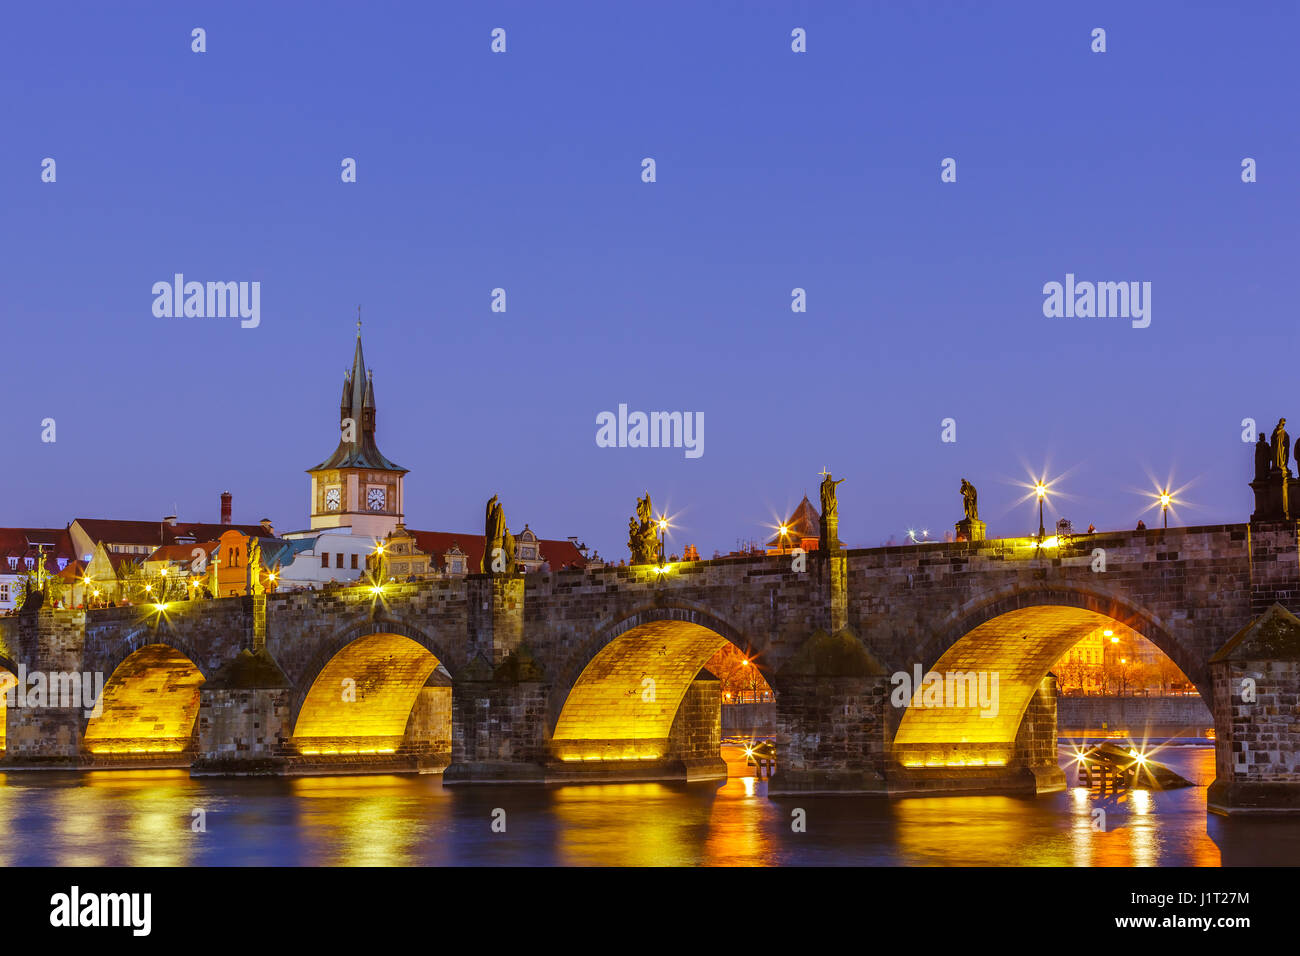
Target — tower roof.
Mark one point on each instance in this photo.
(359, 405)
(804, 523)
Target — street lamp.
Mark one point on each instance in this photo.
(1040, 490)
(785, 532)
(1165, 498)
(663, 537)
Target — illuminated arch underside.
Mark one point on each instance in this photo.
(606, 715)
(1020, 647)
(149, 705)
(388, 670)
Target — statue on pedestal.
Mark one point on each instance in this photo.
(970, 527)
(641, 539)
(830, 507)
(498, 542)
(1272, 476)
(1263, 458)
(830, 517)
(253, 573)
(1281, 446)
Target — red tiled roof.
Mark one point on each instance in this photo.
(116, 559)
(25, 543)
(113, 531)
(558, 554)
(804, 523)
(210, 532)
(73, 571)
(181, 552)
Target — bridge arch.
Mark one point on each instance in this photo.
(622, 689)
(1005, 646)
(1113, 606)
(110, 658)
(359, 693)
(149, 703)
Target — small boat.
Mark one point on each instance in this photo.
(1110, 766)
(763, 756)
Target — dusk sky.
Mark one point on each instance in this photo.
(522, 170)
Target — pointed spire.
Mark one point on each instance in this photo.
(357, 378)
(358, 404)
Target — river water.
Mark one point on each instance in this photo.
(145, 818)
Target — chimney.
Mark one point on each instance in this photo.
(225, 507)
(171, 520)
(266, 526)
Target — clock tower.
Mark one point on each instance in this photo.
(357, 487)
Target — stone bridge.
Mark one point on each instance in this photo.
(599, 674)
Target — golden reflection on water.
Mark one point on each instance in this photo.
(360, 821)
(110, 818)
(629, 824)
(738, 834)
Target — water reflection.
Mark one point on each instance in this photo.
(147, 818)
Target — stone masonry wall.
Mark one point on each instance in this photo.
(1132, 713)
(245, 725)
(1036, 740)
(697, 730)
(1257, 748)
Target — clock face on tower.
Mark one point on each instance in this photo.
(331, 499)
(375, 499)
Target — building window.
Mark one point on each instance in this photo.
(13, 563)
(325, 559)
(30, 562)
(62, 563)
(338, 560)
(4, 592)
(354, 562)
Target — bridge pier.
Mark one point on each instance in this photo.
(45, 644)
(498, 722)
(831, 719)
(243, 722)
(1256, 706)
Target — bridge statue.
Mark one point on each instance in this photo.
(1281, 447)
(969, 505)
(497, 535)
(830, 507)
(1272, 476)
(970, 527)
(42, 575)
(254, 569)
(830, 522)
(1263, 458)
(641, 533)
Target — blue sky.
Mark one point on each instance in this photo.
(775, 170)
